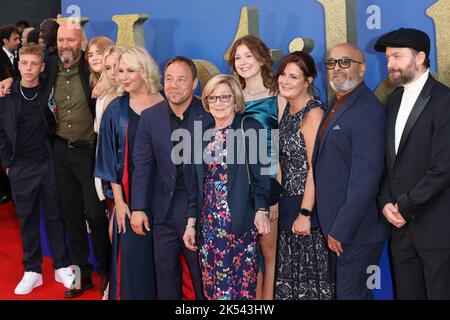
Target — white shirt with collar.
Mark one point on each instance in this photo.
(410, 94)
(10, 55)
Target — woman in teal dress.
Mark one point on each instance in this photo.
(251, 63)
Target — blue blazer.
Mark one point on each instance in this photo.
(154, 176)
(243, 197)
(348, 166)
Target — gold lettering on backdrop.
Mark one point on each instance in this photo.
(76, 22)
(383, 90)
(340, 24)
(439, 12)
(340, 21)
(205, 70)
(301, 44)
(248, 24)
(130, 30)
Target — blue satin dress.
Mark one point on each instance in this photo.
(137, 274)
(265, 111)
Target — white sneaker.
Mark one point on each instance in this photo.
(65, 276)
(29, 281)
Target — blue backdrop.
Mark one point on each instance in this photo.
(204, 29)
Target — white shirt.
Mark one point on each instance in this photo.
(410, 94)
(99, 113)
(10, 55)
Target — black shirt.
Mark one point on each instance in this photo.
(178, 123)
(32, 131)
(133, 121)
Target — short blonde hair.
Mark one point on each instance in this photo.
(141, 61)
(33, 49)
(232, 83)
(104, 82)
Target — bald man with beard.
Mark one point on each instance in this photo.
(348, 163)
(68, 95)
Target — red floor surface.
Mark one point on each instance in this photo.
(11, 268)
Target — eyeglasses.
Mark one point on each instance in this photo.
(345, 63)
(223, 98)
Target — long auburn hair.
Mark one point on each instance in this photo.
(262, 54)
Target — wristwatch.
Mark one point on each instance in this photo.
(305, 212)
(265, 211)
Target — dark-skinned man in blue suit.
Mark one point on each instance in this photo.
(348, 165)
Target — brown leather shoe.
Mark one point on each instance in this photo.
(86, 283)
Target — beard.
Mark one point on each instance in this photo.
(345, 86)
(407, 74)
(68, 58)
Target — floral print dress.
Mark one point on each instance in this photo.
(228, 263)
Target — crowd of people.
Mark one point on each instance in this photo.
(283, 198)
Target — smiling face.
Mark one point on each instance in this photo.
(179, 83)
(95, 58)
(344, 80)
(292, 82)
(245, 63)
(30, 67)
(222, 111)
(130, 78)
(69, 43)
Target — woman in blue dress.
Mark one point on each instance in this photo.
(251, 63)
(139, 80)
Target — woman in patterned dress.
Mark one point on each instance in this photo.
(303, 269)
(228, 197)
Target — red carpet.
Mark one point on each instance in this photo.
(11, 268)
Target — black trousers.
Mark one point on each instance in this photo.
(32, 181)
(74, 174)
(4, 183)
(419, 274)
(168, 244)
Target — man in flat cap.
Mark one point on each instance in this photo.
(415, 192)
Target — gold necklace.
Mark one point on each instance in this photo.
(256, 93)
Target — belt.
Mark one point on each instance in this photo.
(80, 144)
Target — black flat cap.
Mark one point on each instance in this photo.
(404, 38)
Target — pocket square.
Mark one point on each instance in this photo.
(336, 127)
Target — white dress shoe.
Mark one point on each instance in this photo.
(65, 276)
(29, 281)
